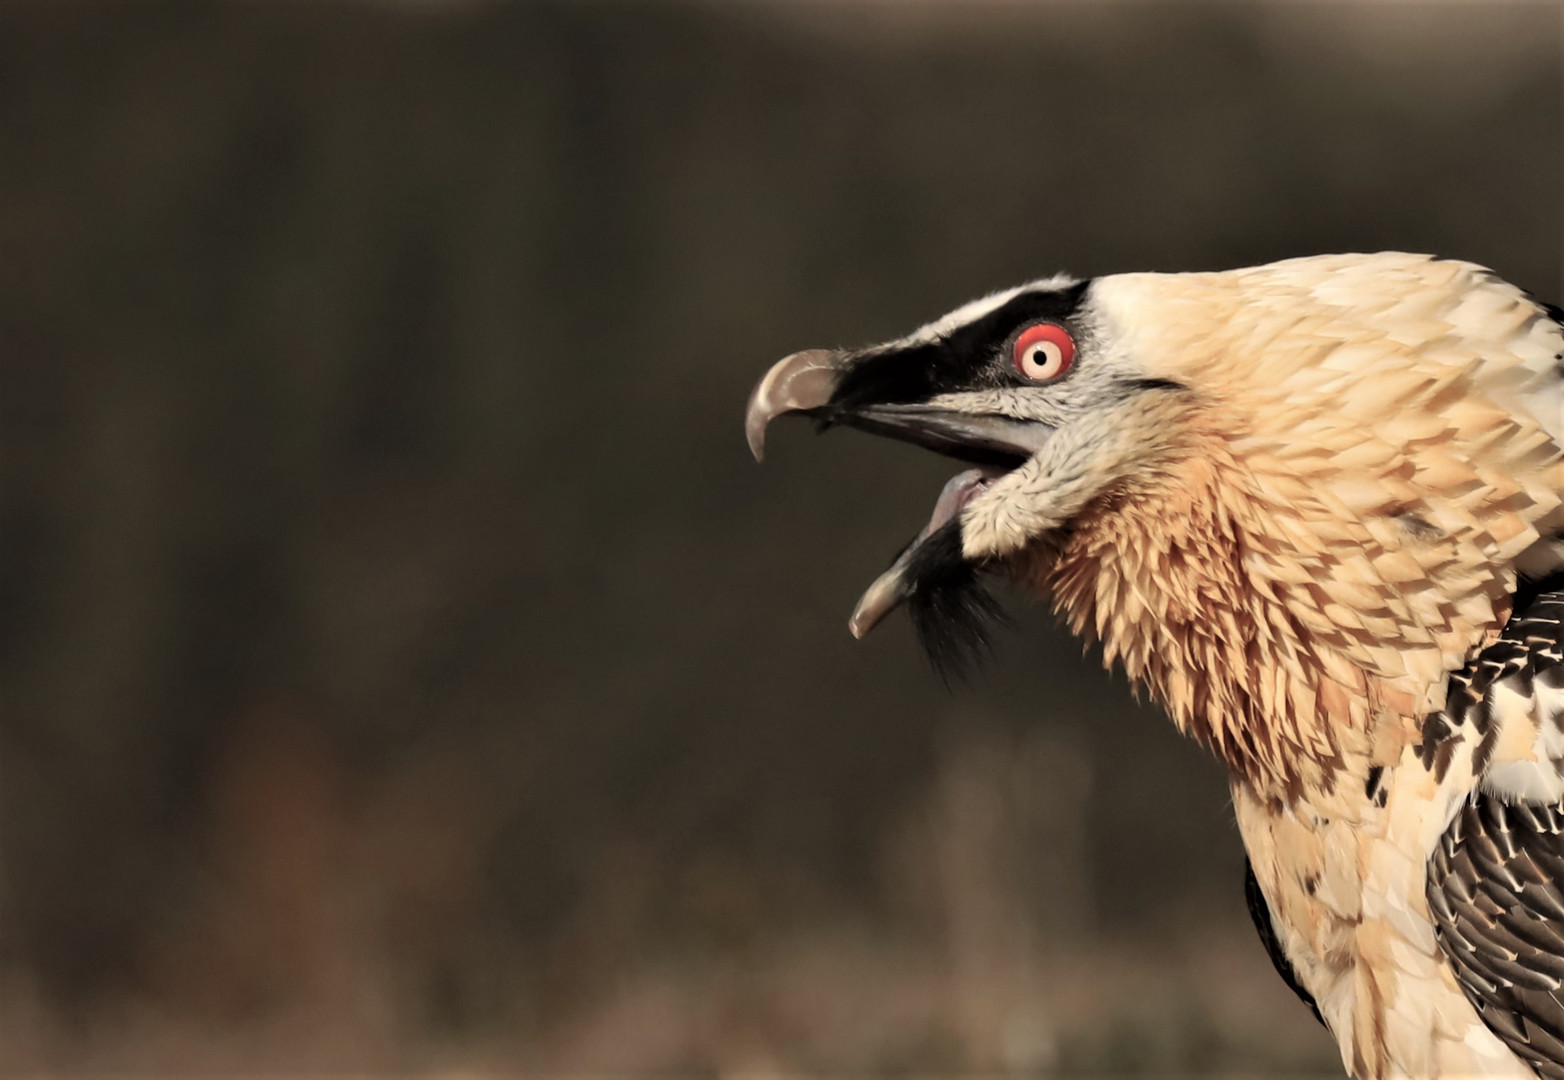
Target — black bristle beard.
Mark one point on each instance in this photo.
(952, 611)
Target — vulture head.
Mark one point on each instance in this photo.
(1301, 476)
(1033, 389)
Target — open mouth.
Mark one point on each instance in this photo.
(894, 586)
(995, 442)
(805, 383)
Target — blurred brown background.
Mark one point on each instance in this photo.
(405, 667)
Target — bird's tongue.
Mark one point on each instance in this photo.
(892, 587)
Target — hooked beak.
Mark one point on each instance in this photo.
(807, 383)
(802, 382)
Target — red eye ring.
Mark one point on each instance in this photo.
(1043, 352)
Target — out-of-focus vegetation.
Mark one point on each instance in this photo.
(404, 665)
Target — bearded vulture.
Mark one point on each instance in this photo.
(1317, 508)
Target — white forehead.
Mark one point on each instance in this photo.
(974, 310)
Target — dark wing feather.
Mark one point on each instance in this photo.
(1496, 881)
(1494, 891)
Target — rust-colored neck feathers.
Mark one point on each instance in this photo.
(1161, 574)
(1329, 521)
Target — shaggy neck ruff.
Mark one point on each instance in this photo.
(1156, 573)
(1299, 560)
(1278, 637)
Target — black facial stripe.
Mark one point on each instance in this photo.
(977, 340)
(899, 376)
(959, 362)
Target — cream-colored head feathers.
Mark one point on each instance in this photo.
(1335, 514)
(1289, 498)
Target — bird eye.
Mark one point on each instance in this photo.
(1043, 351)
